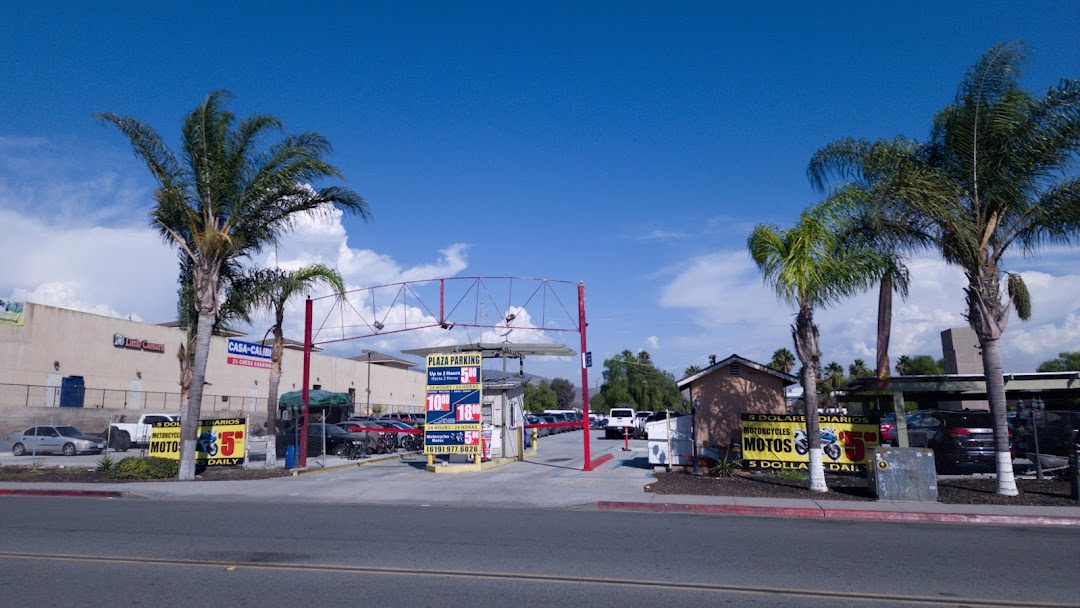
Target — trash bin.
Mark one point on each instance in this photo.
(290, 457)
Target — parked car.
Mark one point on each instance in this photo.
(888, 429)
(961, 440)
(407, 418)
(389, 441)
(531, 419)
(55, 440)
(66, 440)
(551, 420)
(338, 440)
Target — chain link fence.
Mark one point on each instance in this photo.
(1046, 439)
(30, 396)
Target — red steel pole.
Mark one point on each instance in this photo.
(584, 373)
(304, 392)
(442, 301)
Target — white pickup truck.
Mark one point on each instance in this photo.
(124, 435)
(620, 421)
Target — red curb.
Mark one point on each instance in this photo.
(853, 514)
(77, 493)
(599, 460)
(670, 507)
(954, 518)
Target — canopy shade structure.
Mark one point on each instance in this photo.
(494, 350)
(315, 398)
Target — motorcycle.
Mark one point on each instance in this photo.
(207, 443)
(829, 445)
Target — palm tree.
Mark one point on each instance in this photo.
(994, 173)
(235, 309)
(782, 360)
(229, 197)
(810, 268)
(690, 371)
(857, 368)
(271, 290)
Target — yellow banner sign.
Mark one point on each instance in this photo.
(218, 442)
(775, 441)
(12, 312)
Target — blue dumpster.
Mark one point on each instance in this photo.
(290, 457)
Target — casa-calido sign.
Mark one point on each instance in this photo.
(452, 421)
(247, 354)
(122, 341)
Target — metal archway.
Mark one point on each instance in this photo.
(409, 310)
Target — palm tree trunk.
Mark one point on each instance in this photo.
(988, 316)
(189, 416)
(884, 328)
(805, 333)
(995, 393)
(276, 354)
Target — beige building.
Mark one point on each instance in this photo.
(58, 362)
(726, 389)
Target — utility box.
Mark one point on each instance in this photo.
(680, 441)
(903, 474)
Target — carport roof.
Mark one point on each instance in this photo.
(972, 386)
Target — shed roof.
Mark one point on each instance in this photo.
(787, 379)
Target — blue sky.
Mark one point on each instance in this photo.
(628, 145)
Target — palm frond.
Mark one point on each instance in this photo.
(1020, 296)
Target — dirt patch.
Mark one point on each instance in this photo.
(83, 475)
(975, 491)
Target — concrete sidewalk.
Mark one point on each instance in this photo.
(550, 479)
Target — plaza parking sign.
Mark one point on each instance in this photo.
(452, 421)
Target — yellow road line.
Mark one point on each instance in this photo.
(845, 596)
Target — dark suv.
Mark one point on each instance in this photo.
(963, 441)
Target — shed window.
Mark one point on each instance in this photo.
(733, 369)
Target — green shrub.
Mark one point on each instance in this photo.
(106, 463)
(724, 468)
(792, 474)
(149, 467)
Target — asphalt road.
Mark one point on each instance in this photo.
(87, 552)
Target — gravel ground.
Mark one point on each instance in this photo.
(959, 491)
(82, 475)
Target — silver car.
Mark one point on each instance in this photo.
(66, 440)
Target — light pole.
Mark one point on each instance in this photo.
(369, 383)
(1035, 406)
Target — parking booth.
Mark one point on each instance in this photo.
(503, 419)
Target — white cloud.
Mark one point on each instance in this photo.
(652, 343)
(115, 271)
(723, 295)
(61, 252)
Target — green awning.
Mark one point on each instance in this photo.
(315, 398)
